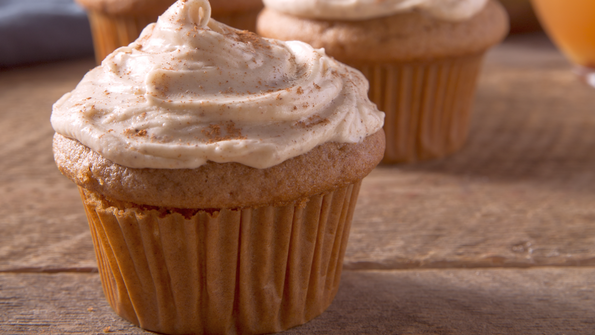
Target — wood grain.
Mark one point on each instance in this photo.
(41, 218)
(520, 193)
(449, 301)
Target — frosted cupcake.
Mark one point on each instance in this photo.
(422, 59)
(115, 23)
(219, 172)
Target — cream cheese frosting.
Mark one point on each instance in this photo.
(191, 89)
(450, 10)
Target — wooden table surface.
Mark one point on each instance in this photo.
(496, 239)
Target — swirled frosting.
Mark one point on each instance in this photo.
(450, 10)
(191, 89)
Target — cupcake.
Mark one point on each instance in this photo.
(219, 172)
(115, 23)
(522, 17)
(422, 59)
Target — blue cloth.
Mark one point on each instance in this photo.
(42, 30)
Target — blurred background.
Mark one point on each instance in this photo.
(497, 239)
(33, 31)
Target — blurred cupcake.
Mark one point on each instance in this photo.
(115, 23)
(219, 172)
(522, 17)
(422, 59)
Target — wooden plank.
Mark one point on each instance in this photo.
(56, 304)
(519, 194)
(487, 301)
(41, 218)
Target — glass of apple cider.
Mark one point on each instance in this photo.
(571, 25)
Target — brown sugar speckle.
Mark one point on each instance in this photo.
(312, 121)
(214, 132)
(248, 37)
(128, 132)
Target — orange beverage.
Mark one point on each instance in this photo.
(571, 25)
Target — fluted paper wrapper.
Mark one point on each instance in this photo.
(427, 104)
(245, 271)
(111, 32)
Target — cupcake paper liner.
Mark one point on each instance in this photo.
(111, 32)
(427, 104)
(227, 271)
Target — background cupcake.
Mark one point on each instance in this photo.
(219, 173)
(422, 60)
(522, 17)
(115, 23)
